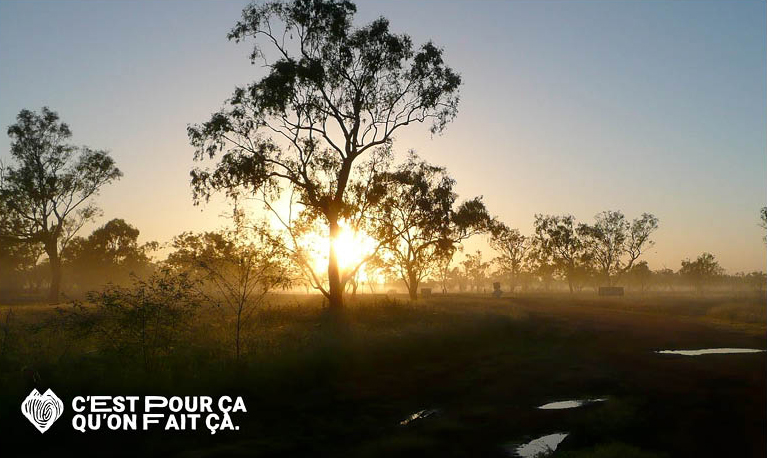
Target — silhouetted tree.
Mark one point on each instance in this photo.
(301, 227)
(458, 278)
(333, 93)
(512, 247)
(556, 238)
(420, 222)
(443, 274)
(475, 269)
(640, 274)
(111, 253)
(614, 244)
(665, 278)
(240, 265)
(539, 264)
(701, 271)
(44, 195)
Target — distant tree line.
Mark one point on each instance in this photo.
(703, 274)
(411, 210)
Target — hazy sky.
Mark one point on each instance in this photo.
(567, 106)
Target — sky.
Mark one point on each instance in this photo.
(567, 106)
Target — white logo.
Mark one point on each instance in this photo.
(42, 409)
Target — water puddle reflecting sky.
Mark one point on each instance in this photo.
(571, 404)
(418, 416)
(543, 446)
(709, 351)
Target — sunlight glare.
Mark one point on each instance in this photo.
(352, 247)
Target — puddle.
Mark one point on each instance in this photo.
(571, 404)
(421, 414)
(543, 446)
(709, 351)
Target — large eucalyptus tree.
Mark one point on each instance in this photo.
(44, 195)
(333, 92)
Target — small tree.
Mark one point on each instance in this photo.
(512, 247)
(111, 253)
(146, 318)
(614, 244)
(332, 94)
(763, 220)
(444, 273)
(475, 269)
(43, 197)
(420, 222)
(665, 278)
(701, 271)
(240, 265)
(556, 238)
(640, 275)
(458, 278)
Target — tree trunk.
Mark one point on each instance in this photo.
(237, 338)
(52, 250)
(412, 287)
(335, 287)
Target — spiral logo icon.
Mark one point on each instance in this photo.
(42, 410)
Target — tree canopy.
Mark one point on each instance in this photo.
(421, 222)
(512, 247)
(332, 93)
(44, 194)
(237, 267)
(111, 253)
(701, 270)
(614, 244)
(556, 238)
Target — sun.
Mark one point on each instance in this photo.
(352, 248)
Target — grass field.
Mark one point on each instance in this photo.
(319, 387)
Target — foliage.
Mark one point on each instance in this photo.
(238, 267)
(640, 275)
(556, 239)
(614, 244)
(420, 223)
(475, 269)
(111, 253)
(702, 270)
(512, 248)
(443, 271)
(44, 196)
(302, 226)
(333, 93)
(17, 263)
(146, 319)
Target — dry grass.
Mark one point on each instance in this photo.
(321, 386)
